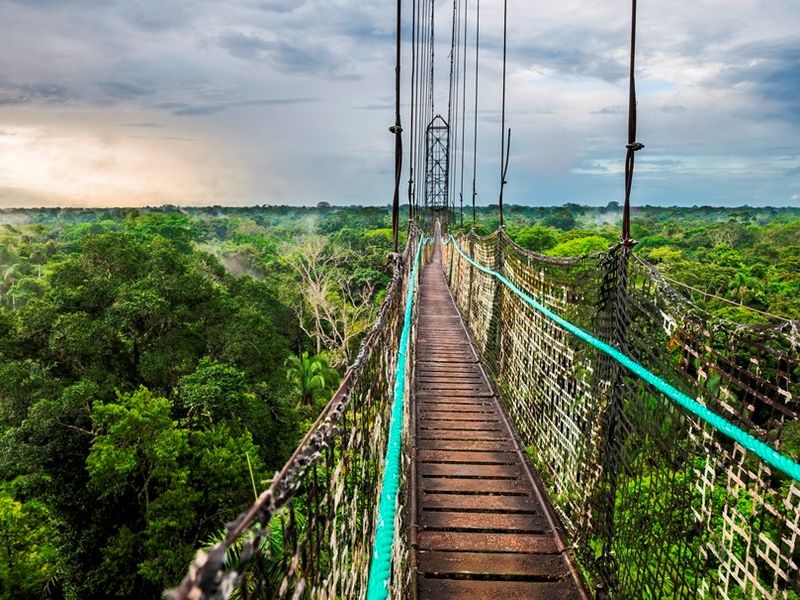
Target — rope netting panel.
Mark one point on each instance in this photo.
(657, 502)
(310, 534)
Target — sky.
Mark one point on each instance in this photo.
(233, 102)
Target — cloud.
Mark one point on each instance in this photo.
(43, 92)
(586, 57)
(292, 97)
(250, 47)
(295, 57)
(188, 110)
(280, 6)
(769, 70)
(611, 110)
(120, 90)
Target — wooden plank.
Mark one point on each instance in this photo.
(460, 421)
(468, 456)
(449, 589)
(432, 433)
(484, 522)
(469, 470)
(484, 502)
(462, 412)
(542, 566)
(462, 444)
(461, 541)
(450, 485)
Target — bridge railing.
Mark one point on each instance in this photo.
(310, 534)
(657, 501)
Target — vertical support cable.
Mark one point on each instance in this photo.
(422, 87)
(503, 151)
(412, 99)
(433, 51)
(425, 113)
(475, 127)
(633, 146)
(397, 130)
(456, 132)
(450, 106)
(463, 114)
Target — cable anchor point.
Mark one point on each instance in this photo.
(635, 146)
(395, 129)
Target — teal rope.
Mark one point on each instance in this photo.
(757, 447)
(381, 568)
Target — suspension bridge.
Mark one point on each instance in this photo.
(526, 426)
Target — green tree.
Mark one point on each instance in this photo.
(30, 567)
(536, 238)
(307, 376)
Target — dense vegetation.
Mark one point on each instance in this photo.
(748, 256)
(157, 366)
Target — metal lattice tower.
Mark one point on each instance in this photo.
(437, 165)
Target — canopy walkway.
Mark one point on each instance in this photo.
(652, 436)
(481, 528)
(526, 426)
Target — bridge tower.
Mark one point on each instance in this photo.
(437, 168)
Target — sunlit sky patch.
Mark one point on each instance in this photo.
(134, 102)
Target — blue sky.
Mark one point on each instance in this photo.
(134, 102)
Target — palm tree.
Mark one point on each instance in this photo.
(307, 374)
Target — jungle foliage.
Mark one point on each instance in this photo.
(150, 358)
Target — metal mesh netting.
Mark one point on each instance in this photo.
(310, 534)
(657, 503)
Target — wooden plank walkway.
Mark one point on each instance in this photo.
(479, 523)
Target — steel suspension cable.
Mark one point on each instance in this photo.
(457, 111)
(450, 105)
(426, 105)
(433, 52)
(463, 113)
(422, 85)
(633, 146)
(412, 99)
(503, 150)
(455, 86)
(397, 130)
(475, 126)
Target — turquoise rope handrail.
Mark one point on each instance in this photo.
(381, 566)
(757, 447)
